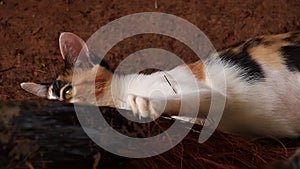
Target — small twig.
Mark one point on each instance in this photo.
(170, 84)
(41, 71)
(155, 4)
(37, 30)
(7, 69)
(29, 165)
(97, 158)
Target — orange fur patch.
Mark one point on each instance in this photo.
(267, 55)
(103, 87)
(268, 52)
(198, 69)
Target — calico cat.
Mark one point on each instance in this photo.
(262, 85)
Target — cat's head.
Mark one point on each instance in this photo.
(74, 51)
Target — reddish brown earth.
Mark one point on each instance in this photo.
(29, 33)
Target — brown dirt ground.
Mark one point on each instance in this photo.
(29, 31)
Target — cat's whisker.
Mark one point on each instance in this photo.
(170, 84)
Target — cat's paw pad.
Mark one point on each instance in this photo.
(143, 107)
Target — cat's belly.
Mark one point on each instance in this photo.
(269, 107)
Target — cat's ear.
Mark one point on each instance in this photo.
(36, 89)
(74, 50)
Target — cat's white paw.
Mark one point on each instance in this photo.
(144, 107)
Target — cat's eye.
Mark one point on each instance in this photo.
(68, 93)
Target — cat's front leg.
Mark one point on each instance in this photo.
(187, 104)
(146, 107)
(153, 107)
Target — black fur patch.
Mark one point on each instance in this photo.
(244, 45)
(237, 44)
(249, 43)
(292, 57)
(252, 42)
(56, 86)
(99, 60)
(105, 65)
(268, 43)
(251, 70)
(292, 38)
